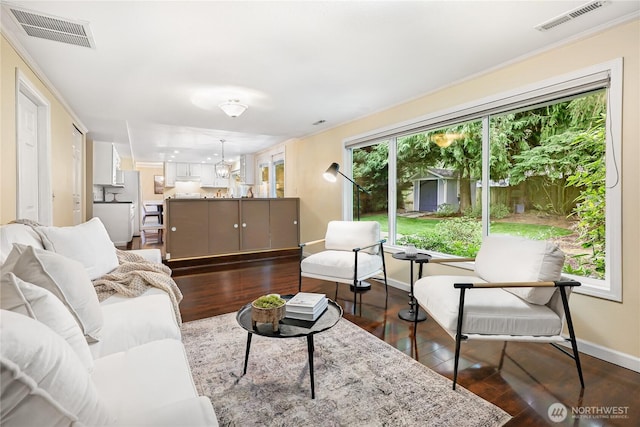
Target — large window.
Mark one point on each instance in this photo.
(371, 171)
(539, 164)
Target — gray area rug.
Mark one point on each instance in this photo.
(360, 381)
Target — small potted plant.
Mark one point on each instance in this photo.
(268, 309)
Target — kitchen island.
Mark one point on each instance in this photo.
(198, 228)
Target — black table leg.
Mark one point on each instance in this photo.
(311, 349)
(246, 353)
(413, 313)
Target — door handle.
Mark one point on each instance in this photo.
(244, 225)
(173, 229)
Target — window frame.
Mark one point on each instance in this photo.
(574, 83)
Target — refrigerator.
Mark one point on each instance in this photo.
(131, 192)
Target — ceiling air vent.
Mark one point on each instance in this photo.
(572, 14)
(53, 28)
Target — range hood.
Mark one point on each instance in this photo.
(187, 178)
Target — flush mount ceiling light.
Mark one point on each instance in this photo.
(233, 108)
(223, 169)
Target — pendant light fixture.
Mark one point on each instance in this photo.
(223, 169)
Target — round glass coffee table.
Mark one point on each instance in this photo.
(290, 328)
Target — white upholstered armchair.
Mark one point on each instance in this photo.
(516, 294)
(352, 253)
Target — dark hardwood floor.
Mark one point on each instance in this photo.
(532, 376)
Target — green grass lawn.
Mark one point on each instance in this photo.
(408, 226)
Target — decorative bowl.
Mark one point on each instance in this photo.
(271, 315)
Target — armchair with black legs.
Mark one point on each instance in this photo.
(516, 294)
(353, 252)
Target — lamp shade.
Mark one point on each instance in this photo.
(233, 108)
(332, 172)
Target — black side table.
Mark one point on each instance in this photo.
(413, 313)
(290, 328)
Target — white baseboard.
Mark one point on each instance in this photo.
(396, 284)
(608, 355)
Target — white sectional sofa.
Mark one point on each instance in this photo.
(68, 359)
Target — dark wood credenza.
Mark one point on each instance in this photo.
(211, 227)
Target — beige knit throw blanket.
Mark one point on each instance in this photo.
(135, 275)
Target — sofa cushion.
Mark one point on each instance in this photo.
(340, 264)
(87, 243)
(38, 303)
(490, 311)
(151, 255)
(144, 378)
(129, 322)
(17, 233)
(505, 258)
(43, 381)
(347, 235)
(193, 412)
(66, 279)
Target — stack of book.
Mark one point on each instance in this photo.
(306, 306)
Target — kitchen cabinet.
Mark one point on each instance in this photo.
(283, 223)
(188, 171)
(247, 169)
(106, 165)
(208, 178)
(187, 228)
(255, 233)
(224, 226)
(169, 174)
(213, 227)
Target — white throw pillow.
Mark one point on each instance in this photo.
(503, 258)
(87, 243)
(43, 382)
(17, 233)
(38, 303)
(66, 279)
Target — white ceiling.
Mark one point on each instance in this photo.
(160, 68)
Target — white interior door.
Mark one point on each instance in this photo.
(33, 152)
(77, 192)
(28, 182)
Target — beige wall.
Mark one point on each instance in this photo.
(612, 325)
(61, 141)
(146, 182)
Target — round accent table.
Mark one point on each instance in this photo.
(290, 328)
(413, 313)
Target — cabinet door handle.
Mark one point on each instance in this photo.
(173, 229)
(244, 225)
(235, 225)
(295, 222)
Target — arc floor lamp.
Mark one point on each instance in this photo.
(333, 171)
(330, 175)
